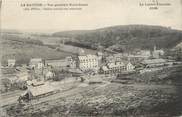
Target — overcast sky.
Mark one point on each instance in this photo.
(98, 14)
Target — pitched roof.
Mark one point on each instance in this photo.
(153, 61)
(40, 90)
(11, 60)
(104, 68)
(55, 61)
(115, 64)
(35, 60)
(89, 56)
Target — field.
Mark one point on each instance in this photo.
(23, 49)
(111, 99)
(48, 39)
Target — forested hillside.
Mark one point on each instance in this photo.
(126, 37)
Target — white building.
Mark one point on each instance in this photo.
(56, 63)
(36, 63)
(117, 67)
(154, 62)
(49, 75)
(71, 62)
(144, 53)
(129, 66)
(23, 75)
(88, 62)
(11, 62)
(157, 53)
(100, 56)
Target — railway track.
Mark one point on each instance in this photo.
(11, 94)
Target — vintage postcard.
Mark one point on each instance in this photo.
(91, 58)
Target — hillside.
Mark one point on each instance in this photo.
(127, 37)
(121, 38)
(23, 48)
(154, 94)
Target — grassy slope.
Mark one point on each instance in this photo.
(114, 99)
(22, 50)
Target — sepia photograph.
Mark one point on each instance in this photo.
(91, 58)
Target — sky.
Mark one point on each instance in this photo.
(98, 14)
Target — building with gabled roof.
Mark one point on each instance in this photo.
(157, 53)
(117, 67)
(129, 66)
(33, 92)
(36, 63)
(56, 63)
(154, 62)
(71, 61)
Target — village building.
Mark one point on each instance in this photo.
(129, 66)
(100, 54)
(36, 63)
(41, 90)
(35, 82)
(117, 67)
(11, 62)
(143, 53)
(100, 58)
(122, 57)
(71, 62)
(56, 63)
(114, 57)
(23, 75)
(109, 59)
(88, 62)
(105, 70)
(49, 75)
(154, 62)
(157, 53)
(137, 56)
(37, 67)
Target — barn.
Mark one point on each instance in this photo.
(39, 91)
